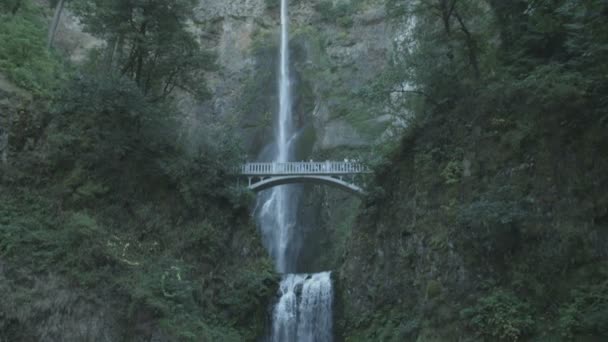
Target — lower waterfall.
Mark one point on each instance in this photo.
(304, 310)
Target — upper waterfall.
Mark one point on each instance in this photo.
(278, 211)
(285, 130)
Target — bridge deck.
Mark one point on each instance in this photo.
(303, 168)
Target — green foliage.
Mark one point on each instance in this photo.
(275, 4)
(452, 172)
(552, 33)
(489, 227)
(105, 192)
(586, 313)
(157, 50)
(161, 275)
(126, 206)
(272, 4)
(390, 326)
(500, 315)
(106, 125)
(433, 288)
(107, 135)
(339, 13)
(11, 6)
(207, 173)
(23, 54)
(485, 214)
(517, 91)
(71, 243)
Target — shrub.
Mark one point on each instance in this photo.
(587, 312)
(500, 315)
(340, 13)
(490, 226)
(23, 54)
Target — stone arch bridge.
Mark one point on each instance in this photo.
(262, 176)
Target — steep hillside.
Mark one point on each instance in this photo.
(486, 218)
(490, 219)
(113, 227)
(488, 230)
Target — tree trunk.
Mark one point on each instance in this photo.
(55, 23)
(115, 53)
(471, 45)
(446, 7)
(142, 53)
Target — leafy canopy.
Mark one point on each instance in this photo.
(151, 42)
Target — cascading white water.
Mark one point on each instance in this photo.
(304, 310)
(278, 212)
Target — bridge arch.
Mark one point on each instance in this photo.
(265, 175)
(268, 183)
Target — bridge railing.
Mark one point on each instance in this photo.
(303, 168)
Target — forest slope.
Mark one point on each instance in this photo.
(490, 220)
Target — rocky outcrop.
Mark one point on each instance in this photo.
(332, 62)
(213, 10)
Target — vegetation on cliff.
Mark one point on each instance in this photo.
(490, 219)
(102, 200)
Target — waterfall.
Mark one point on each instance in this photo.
(277, 216)
(303, 312)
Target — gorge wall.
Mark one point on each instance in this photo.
(338, 48)
(486, 222)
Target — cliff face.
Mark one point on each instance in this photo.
(483, 225)
(102, 264)
(338, 47)
(494, 247)
(336, 50)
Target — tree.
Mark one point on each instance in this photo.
(149, 42)
(458, 13)
(11, 6)
(447, 53)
